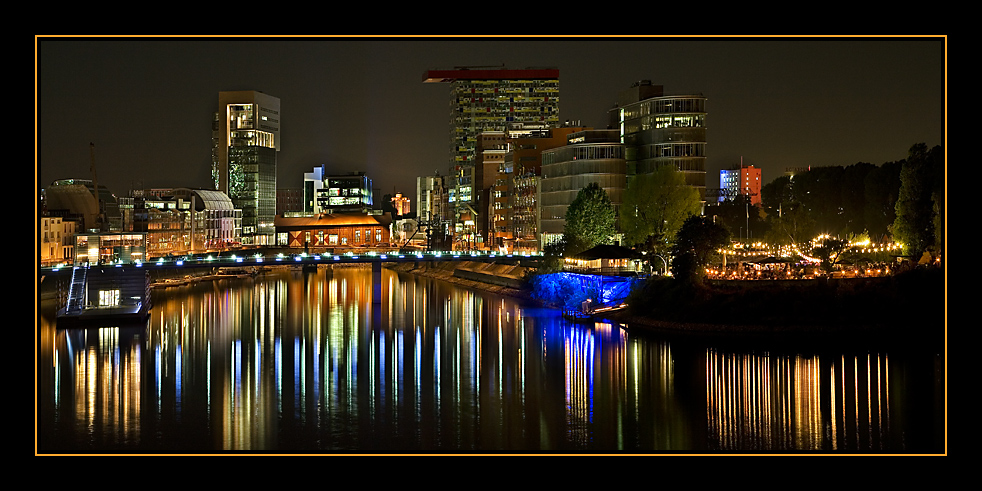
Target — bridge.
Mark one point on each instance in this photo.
(76, 279)
(263, 258)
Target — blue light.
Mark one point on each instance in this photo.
(180, 263)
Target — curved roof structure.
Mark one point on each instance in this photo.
(75, 197)
(207, 199)
(214, 200)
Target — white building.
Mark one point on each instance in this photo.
(56, 241)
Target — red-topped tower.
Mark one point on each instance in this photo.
(487, 99)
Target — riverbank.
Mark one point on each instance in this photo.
(501, 279)
(909, 308)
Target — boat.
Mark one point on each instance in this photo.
(577, 315)
(589, 316)
(237, 272)
(175, 281)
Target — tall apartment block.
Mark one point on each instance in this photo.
(487, 99)
(740, 180)
(659, 129)
(245, 140)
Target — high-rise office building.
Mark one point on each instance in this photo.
(487, 99)
(590, 156)
(659, 129)
(245, 139)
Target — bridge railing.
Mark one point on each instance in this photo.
(215, 260)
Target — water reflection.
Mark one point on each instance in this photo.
(301, 362)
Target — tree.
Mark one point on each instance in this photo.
(881, 188)
(696, 244)
(790, 225)
(590, 220)
(828, 249)
(914, 225)
(655, 205)
(738, 215)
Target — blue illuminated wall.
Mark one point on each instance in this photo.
(571, 289)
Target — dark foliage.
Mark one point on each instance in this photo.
(912, 298)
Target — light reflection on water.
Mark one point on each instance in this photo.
(306, 362)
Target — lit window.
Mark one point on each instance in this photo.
(108, 298)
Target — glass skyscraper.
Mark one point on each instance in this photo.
(245, 139)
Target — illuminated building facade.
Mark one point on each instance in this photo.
(484, 99)
(433, 211)
(246, 139)
(401, 204)
(313, 183)
(339, 232)
(346, 193)
(740, 180)
(57, 240)
(477, 222)
(186, 221)
(324, 193)
(515, 222)
(659, 129)
(589, 156)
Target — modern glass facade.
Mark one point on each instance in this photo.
(661, 130)
(246, 141)
(592, 156)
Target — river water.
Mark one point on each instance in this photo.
(321, 362)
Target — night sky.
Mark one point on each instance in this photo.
(360, 104)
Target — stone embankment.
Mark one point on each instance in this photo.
(503, 279)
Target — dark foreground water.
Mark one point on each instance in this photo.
(293, 362)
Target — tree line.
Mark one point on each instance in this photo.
(901, 201)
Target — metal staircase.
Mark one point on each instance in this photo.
(76, 292)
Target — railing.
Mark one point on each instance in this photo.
(76, 291)
(308, 258)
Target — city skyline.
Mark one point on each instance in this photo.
(359, 104)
